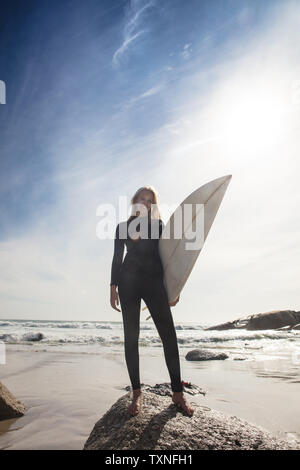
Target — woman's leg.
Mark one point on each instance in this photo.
(130, 305)
(155, 297)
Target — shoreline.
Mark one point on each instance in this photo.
(67, 393)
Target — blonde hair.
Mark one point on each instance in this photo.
(155, 214)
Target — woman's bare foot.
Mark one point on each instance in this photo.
(136, 404)
(180, 400)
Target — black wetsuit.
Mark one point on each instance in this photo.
(140, 276)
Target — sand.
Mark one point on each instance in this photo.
(66, 393)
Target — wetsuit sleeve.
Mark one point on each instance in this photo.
(117, 258)
(161, 227)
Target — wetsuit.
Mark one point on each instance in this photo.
(140, 276)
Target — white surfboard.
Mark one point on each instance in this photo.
(178, 261)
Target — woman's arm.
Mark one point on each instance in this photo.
(115, 269)
(117, 258)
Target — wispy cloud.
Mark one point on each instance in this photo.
(151, 92)
(125, 45)
(186, 53)
(137, 8)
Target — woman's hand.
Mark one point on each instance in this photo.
(175, 302)
(114, 298)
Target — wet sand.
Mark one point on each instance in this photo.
(66, 393)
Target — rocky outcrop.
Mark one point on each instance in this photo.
(204, 355)
(160, 425)
(262, 321)
(10, 407)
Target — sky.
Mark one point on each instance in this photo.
(103, 97)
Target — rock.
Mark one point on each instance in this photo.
(165, 389)
(10, 407)
(296, 327)
(32, 336)
(272, 320)
(160, 425)
(204, 355)
(223, 326)
(262, 321)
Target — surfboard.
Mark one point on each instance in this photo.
(179, 255)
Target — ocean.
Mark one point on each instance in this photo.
(96, 336)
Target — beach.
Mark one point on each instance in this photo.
(149, 154)
(67, 391)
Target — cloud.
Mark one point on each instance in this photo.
(124, 46)
(137, 8)
(186, 53)
(151, 92)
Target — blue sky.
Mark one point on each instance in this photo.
(103, 97)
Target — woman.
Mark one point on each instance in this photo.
(140, 276)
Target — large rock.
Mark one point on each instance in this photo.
(272, 320)
(10, 407)
(204, 355)
(160, 425)
(262, 321)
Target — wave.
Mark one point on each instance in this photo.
(84, 325)
(190, 341)
(57, 324)
(27, 337)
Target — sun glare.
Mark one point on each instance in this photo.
(255, 117)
